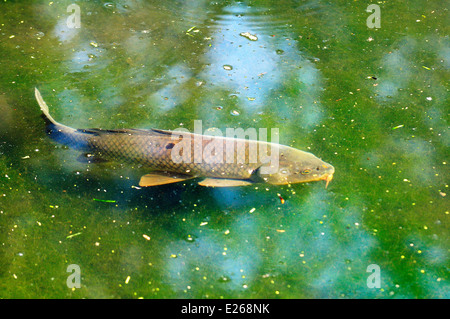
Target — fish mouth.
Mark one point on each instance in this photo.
(328, 176)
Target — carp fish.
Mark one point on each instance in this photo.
(172, 156)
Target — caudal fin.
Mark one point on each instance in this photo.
(44, 108)
(59, 132)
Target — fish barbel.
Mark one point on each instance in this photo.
(173, 156)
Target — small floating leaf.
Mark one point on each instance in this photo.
(249, 36)
(192, 28)
(73, 235)
(104, 200)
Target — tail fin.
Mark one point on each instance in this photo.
(61, 133)
(44, 108)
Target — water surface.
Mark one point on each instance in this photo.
(369, 101)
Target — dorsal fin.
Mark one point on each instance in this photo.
(164, 132)
(99, 131)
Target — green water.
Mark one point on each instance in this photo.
(370, 101)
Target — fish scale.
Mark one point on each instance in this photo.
(152, 152)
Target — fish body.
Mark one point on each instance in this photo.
(174, 156)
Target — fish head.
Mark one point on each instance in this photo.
(295, 166)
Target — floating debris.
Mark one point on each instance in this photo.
(249, 36)
(192, 29)
(224, 279)
(281, 199)
(146, 236)
(104, 200)
(234, 113)
(227, 67)
(109, 5)
(398, 126)
(39, 35)
(73, 235)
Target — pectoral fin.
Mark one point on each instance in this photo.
(157, 178)
(222, 182)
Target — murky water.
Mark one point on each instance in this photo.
(371, 101)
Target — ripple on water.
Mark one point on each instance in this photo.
(246, 18)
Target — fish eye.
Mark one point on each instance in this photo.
(306, 171)
(318, 168)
